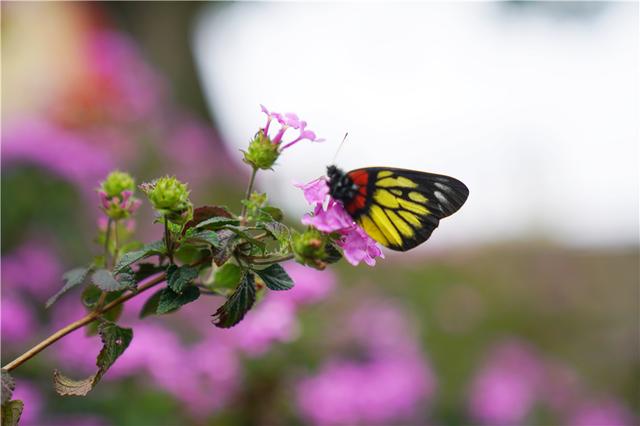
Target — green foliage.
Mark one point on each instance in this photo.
(178, 278)
(217, 222)
(115, 341)
(206, 236)
(169, 197)
(275, 277)
(150, 307)
(171, 301)
(238, 304)
(8, 385)
(227, 276)
(131, 257)
(11, 412)
(105, 281)
(71, 279)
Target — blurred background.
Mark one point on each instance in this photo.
(521, 310)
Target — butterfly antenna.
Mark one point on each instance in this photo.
(339, 148)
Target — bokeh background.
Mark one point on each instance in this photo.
(521, 310)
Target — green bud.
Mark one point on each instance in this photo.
(309, 248)
(117, 182)
(169, 197)
(262, 153)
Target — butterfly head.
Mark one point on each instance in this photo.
(341, 187)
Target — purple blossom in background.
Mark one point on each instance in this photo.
(19, 273)
(131, 89)
(310, 285)
(43, 144)
(287, 121)
(330, 216)
(601, 413)
(18, 320)
(391, 385)
(33, 403)
(507, 386)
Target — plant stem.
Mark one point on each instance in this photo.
(248, 194)
(91, 316)
(167, 240)
(107, 237)
(107, 263)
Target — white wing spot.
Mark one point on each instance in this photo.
(441, 197)
(438, 185)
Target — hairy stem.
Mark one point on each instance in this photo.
(91, 316)
(167, 240)
(248, 194)
(267, 260)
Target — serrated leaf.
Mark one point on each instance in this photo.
(106, 282)
(228, 242)
(115, 341)
(145, 270)
(217, 222)
(8, 385)
(71, 279)
(203, 213)
(208, 236)
(90, 296)
(238, 304)
(11, 412)
(133, 256)
(171, 301)
(245, 235)
(178, 278)
(227, 276)
(127, 278)
(151, 305)
(274, 212)
(275, 277)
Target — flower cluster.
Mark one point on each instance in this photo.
(264, 150)
(329, 216)
(169, 197)
(116, 196)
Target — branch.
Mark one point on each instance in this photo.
(81, 323)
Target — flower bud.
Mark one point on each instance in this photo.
(169, 197)
(262, 152)
(309, 248)
(116, 183)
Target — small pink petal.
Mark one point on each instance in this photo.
(315, 191)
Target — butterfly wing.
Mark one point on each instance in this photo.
(400, 208)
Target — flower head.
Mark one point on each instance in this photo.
(330, 216)
(169, 197)
(116, 195)
(267, 144)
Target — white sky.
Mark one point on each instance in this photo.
(537, 115)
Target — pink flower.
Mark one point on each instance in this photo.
(356, 244)
(605, 412)
(287, 121)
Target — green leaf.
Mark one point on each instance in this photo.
(133, 256)
(151, 305)
(238, 304)
(207, 236)
(274, 212)
(203, 213)
(217, 222)
(145, 270)
(71, 278)
(8, 385)
(275, 277)
(11, 412)
(241, 232)
(106, 282)
(178, 278)
(227, 276)
(171, 301)
(90, 296)
(228, 243)
(115, 341)
(127, 278)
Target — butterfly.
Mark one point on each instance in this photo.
(398, 208)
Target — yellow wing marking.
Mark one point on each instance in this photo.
(418, 197)
(413, 207)
(396, 192)
(384, 174)
(411, 218)
(399, 182)
(372, 230)
(385, 225)
(402, 226)
(385, 198)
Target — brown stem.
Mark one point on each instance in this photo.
(256, 260)
(91, 316)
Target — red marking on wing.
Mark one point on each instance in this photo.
(359, 177)
(356, 204)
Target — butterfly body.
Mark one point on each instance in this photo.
(398, 208)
